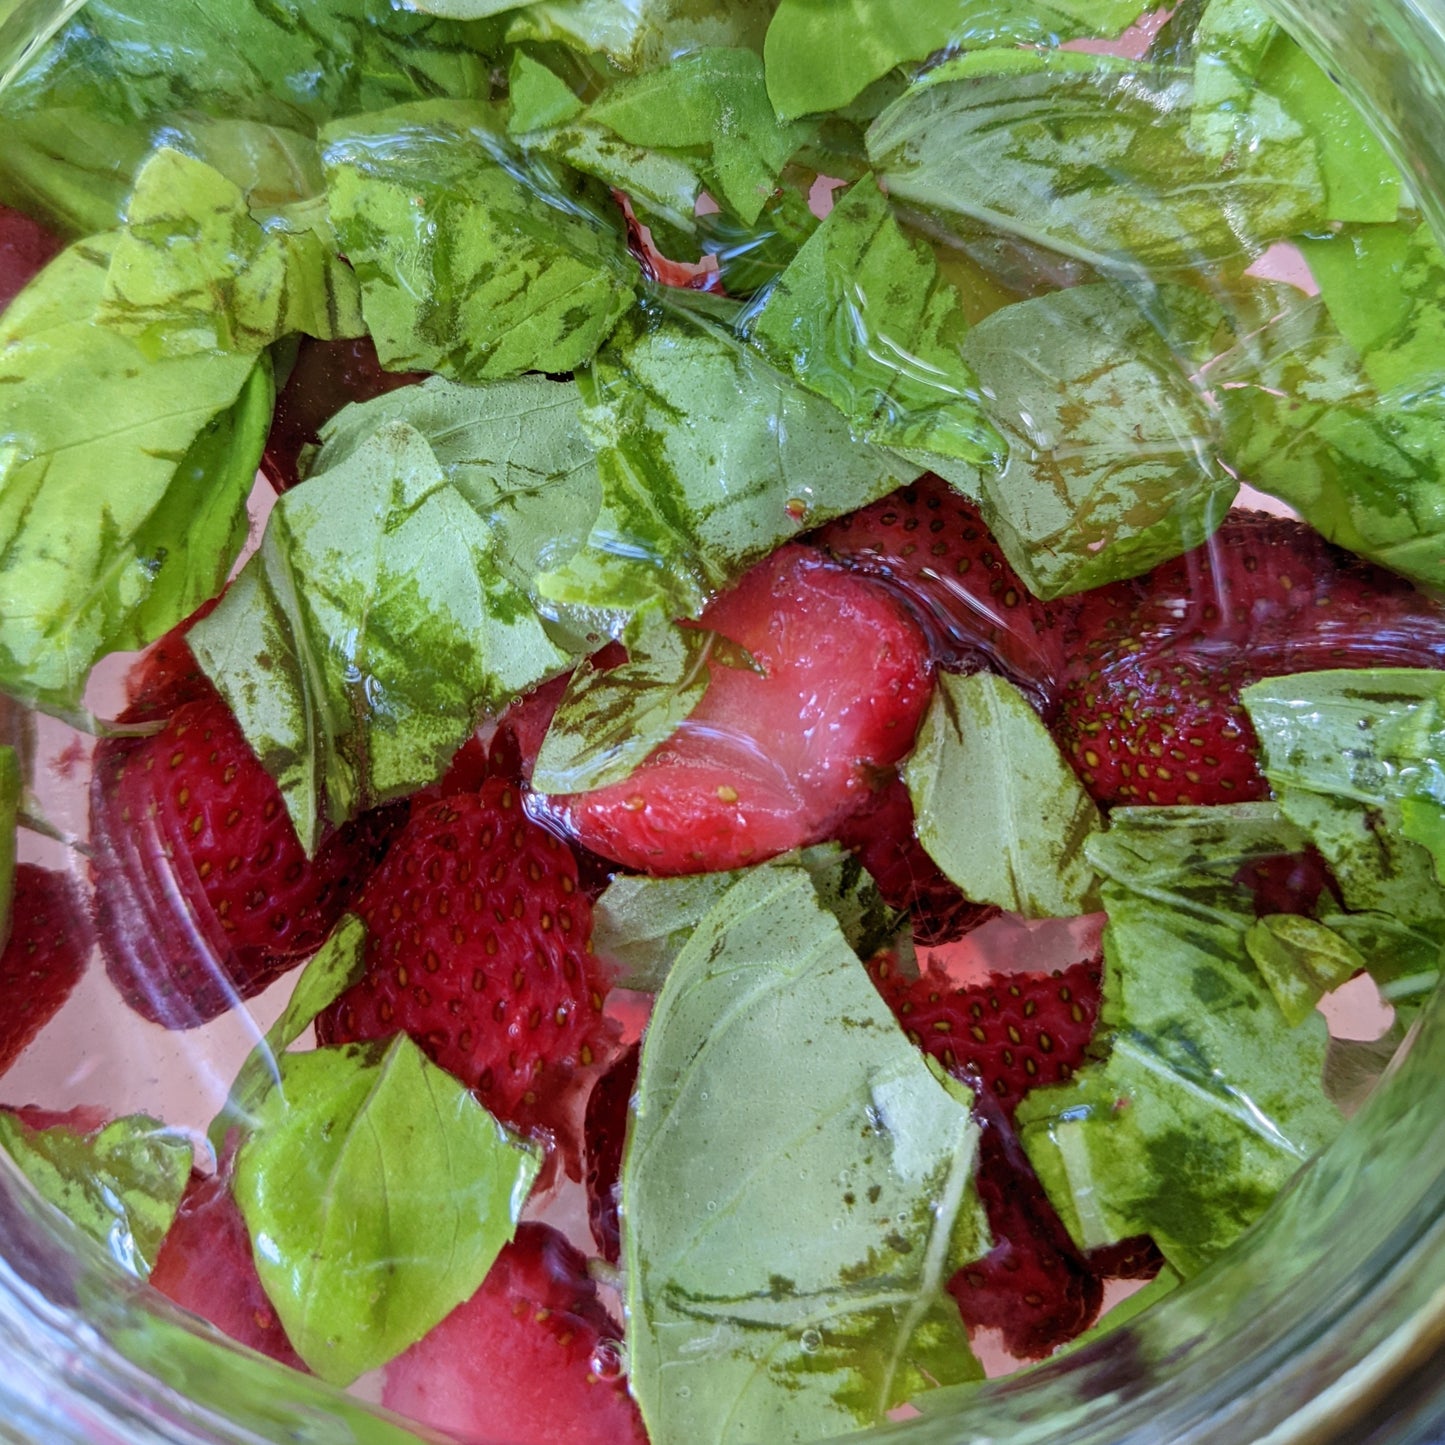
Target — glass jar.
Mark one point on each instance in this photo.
(1326, 1322)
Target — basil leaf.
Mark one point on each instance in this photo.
(121, 1184)
(377, 1192)
(709, 460)
(1207, 1102)
(787, 1282)
(1090, 155)
(642, 924)
(821, 55)
(1301, 961)
(1229, 45)
(11, 786)
(88, 571)
(540, 98)
(1338, 750)
(997, 806)
(193, 270)
(466, 268)
(1404, 959)
(1111, 466)
(361, 644)
(863, 318)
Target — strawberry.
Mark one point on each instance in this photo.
(777, 753)
(26, 248)
(204, 895)
(1150, 709)
(205, 1265)
(327, 376)
(931, 544)
(532, 1358)
(1289, 883)
(48, 948)
(479, 947)
(609, 1107)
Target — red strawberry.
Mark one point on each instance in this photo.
(931, 543)
(532, 1358)
(1289, 883)
(327, 376)
(1150, 710)
(48, 948)
(83, 1119)
(205, 1265)
(25, 249)
(204, 895)
(776, 757)
(479, 946)
(609, 1107)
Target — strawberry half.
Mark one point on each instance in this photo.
(931, 543)
(204, 895)
(609, 1107)
(44, 957)
(772, 758)
(1150, 710)
(479, 947)
(532, 1358)
(26, 248)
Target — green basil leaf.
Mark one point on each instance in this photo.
(1404, 959)
(121, 1184)
(787, 1282)
(709, 460)
(1228, 47)
(1301, 961)
(997, 806)
(1207, 1101)
(540, 98)
(12, 784)
(384, 613)
(466, 268)
(1111, 465)
(177, 441)
(642, 924)
(863, 317)
(1091, 156)
(377, 1192)
(821, 55)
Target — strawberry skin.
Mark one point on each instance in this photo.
(609, 1107)
(532, 1358)
(773, 758)
(479, 947)
(26, 248)
(44, 957)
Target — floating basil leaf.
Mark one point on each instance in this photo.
(11, 784)
(997, 806)
(788, 1284)
(1228, 48)
(91, 569)
(466, 268)
(1301, 961)
(121, 1184)
(1111, 465)
(1090, 155)
(377, 1192)
(863, 318)
(1207, 1101)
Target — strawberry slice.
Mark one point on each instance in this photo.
(26, 248)
(479, 947)
(1150, 709)
(609, 1107)
(931, 543)
(204, 895)
(532, 1358)
(777, 757)
(44, 957)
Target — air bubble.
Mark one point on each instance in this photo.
(609, 1360)
(810, 1342)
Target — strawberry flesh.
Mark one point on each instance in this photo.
(532, 1358)
(772, 758)
(26, 248)
(609, 1107)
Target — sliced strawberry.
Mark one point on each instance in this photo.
(777, 754)
(931, 543)
(479, 947)
(44, 957)
(1289, 883)
(205, 1265)
(609, 1107)
(204, 895)
(532, 1358)
(1150, 709)
(26, 248)
(83, 1119)
(327, 376)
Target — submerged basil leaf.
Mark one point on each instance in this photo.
(377, 1192)
(1207, 1101)
(539, 97)
(121, 1184)
(467, 268)
(1301, 960)
(1111, 465)
(997, 806)
(789, 1284)
(1091, 155)
(90, 568)
(1227, 48)
(863, 317)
